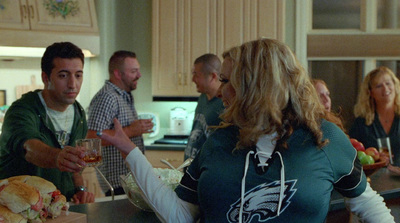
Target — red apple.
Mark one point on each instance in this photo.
(357, 145)
(353, 140)
(372, 151)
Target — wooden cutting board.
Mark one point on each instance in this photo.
(72, 217)
(22, 89)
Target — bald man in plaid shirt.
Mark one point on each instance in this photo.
(114, 100)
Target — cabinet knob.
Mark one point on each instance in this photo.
(179, 78)
(31, 11)
(24, 11)
(186, 80)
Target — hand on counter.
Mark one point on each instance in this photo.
(83, 197)
(384, 156)
(394, 169)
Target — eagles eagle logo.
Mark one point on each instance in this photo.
(262, 201)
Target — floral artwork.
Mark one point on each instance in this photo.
(3, 4)
(62, 8)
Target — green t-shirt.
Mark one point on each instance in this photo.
(207, 114)
(27, 119)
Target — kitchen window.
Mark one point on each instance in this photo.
(341, 41)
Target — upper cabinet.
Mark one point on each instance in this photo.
(39, 23)
(14, 14)
(49, 15)
(185, 29)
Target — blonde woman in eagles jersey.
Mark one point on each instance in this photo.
(275, 159)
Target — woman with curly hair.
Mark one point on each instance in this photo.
(273, 159)
(323, 93)
(324, 97)
(377, 111)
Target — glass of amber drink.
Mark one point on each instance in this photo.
(384, 147)
(92, 149)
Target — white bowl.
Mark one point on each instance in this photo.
(170, 178)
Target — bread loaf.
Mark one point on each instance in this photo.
(31, 197)
(11, 217)
(18, 196)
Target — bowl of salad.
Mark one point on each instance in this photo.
(170, 177)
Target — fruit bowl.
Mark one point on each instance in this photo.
(170, 178)
(369, 169)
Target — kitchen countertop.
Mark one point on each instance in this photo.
(150, 145)
(385, 183)
(121, 210)
(114, 211)
(382, 181)
(168, 147)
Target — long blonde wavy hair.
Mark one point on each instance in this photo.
(365, 106)
(273, 93)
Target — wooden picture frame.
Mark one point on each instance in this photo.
(3, 98)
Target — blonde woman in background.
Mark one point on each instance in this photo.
(275, 159)
(377, 111)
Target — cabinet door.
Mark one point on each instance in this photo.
(167, 58)
(200, 36)
(185, 29)
(67, 15)
(181, 33)
(242, 21)
(269, 19)
(14, 14)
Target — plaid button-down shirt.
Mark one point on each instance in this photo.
(109, 103)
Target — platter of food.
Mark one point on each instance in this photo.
(30, 199)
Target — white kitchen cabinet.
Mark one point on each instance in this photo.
(185, 29)
(14, 14)
(170, 74)
(49, 15)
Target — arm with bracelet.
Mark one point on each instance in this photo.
(81, 193)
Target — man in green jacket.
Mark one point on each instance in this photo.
(40, 129)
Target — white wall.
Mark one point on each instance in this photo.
(18, 72)
(126, 25)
